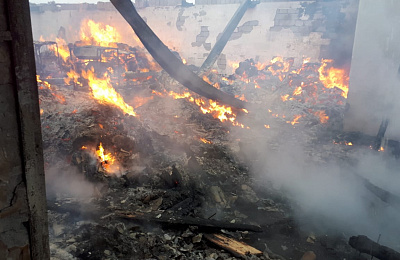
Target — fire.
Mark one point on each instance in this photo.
(381, 149)
(348, 143)
(205, 140)
(233, 64)
(297, 91)
(333, 77)
(295, 120)
(267, 126)
(106, 160)
(44, 84)
(63, 50)
(72, 76)
(100, 34)
(103, 92)
(323, 118)
(222, 112)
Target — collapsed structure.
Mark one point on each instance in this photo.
(162, 158)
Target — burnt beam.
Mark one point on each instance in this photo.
(365, 245)
(167, 60)
(226, 35)
(28, 116)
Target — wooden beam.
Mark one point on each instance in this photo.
(168, 61)
(237, 248)
(365, 245)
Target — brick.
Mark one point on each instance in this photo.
(300, 30)
(282, 11)
(201, 38)
(285, 23)
(294, 11)
(299, 23)
(275, 28)
(282, 16)
(246, 29)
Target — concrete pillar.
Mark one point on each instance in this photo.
(23, 214)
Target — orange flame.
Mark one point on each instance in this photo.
(295, 120)
(103, 92)
(333, 77)
(43, 84)
(106, 160)
(323, 118)
(205, 140)
(100, 34)
(297, 91)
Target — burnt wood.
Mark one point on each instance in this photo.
(202, 224)
(365, 245)
(226, 35)
(237, 248)
(167, 60)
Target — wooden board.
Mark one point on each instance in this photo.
(233, 246)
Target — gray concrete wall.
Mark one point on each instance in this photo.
(374, 91)
(287, 28)
(23, 214)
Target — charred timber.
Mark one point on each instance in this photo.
(167, 60)
(237, 248)
(226, 35)
(203, 224)
(381, 133)
(365, 245)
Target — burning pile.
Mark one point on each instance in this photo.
(117, 126)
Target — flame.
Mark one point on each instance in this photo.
(333, 77)
(73, 76)
(84, 148)
(222, 112)
(184, 61)
(106, 160)
(233, 64)
(295, 120)
(297, 91)
(100, 34)
(381, 149)
(103, 92)
(205, 140)
(44, 84)
(323, 118)
(284, 98)
(348, 143)
(63, 49)
(267, 126)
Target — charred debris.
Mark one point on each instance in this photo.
(138, 167)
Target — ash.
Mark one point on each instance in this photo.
(179, 175)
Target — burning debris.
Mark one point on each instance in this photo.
(170, 170)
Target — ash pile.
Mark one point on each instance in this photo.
(138, 167)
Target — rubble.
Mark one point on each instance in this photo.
(176, 173)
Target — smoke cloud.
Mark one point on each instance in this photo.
(329, 196)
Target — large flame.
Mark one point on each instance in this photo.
(103, 92)
(100, 34)
(333, 77)
(106, 159)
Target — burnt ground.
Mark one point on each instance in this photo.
(168, 176)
